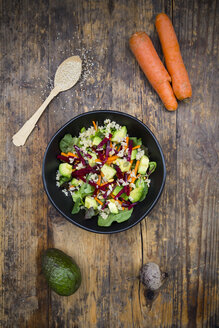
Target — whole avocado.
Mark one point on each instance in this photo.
(61, 271)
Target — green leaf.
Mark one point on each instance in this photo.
(63, 180)
(67, 143)
(144, 192)
(84, 191)
(152, 167)
(120, 217)
(136, 141)
(76, 207)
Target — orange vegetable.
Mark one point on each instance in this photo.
(64, 154)
(71, 154)
(98, 200)
(150, 63)
(136, 147)
(136, 167)
(127, 142)
(134, 178)
(95, 126)
(99, 180)
(173, 59)
(112, 158)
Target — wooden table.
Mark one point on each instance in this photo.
(180, 234)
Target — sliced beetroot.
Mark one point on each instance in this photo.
(132, 205)
(63, 158)
(102, 143)
(93, 184)
(100, 154)
(104, 187)
(82, 172)
(127, 190)
(130, 146)
(120, 193)
(119, 172)
(79, 155)
(107, 151)
(105, 204)
(105, 195)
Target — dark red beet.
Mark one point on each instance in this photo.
(79, 155)
(63, 158)
(102, 142)
(119, 172)
(130, 146)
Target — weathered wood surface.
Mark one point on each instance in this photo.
(181, 233)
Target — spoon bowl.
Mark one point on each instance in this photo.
(67, 75)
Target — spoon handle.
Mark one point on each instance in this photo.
(21, 136)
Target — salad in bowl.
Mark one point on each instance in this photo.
(105, 170)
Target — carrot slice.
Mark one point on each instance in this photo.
(98, 200)
(136, 147)
(127, 142)
(112, 158)
(134, 178)
(64, 154)
(71, 154)
(95, 126)
(136, 167)
(99, 180)
(173, 59)
(153, 68)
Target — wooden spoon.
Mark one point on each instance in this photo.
(67, 75)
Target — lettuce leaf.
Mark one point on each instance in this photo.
(77, 196)
(152, 167)
(144, 192)
(77, 206)
(63, 180)
(120, 217)
(67, 143)
(136, 141)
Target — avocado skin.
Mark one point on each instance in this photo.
(61, 271)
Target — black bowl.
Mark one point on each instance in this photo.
(135, 128)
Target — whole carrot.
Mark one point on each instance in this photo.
(153, 68)
(173, 59)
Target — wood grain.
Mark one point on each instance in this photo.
(180, 234)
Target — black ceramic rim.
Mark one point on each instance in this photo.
(154, 202)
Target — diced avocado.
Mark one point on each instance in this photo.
(83, 129)
(119, 134)
(96, 141)
(75, 182)
(108, 171)
(91, 161)
(65, 170)
(134, 153)
(135, 194)
(117, 190)
(143, 165)
(90, 202)
(112, 206)
(123, 164)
